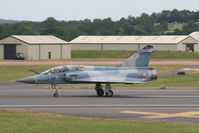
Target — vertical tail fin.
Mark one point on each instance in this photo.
(139, 59)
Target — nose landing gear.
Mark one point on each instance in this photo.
(55, 90)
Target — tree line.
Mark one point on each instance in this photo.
(145, 24)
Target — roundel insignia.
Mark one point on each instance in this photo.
(144, 75)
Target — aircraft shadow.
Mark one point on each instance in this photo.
(119, 96)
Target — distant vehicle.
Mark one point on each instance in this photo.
(19, 56)
(181, 73)
(134, 70)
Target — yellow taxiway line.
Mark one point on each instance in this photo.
(193, 114)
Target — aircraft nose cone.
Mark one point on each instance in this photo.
(29, 80)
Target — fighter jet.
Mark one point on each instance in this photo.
(134, 70)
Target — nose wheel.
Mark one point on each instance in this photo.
(55, 95)
(55, 90)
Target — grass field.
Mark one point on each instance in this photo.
(125, 54)
(12, 121)
(11, 73)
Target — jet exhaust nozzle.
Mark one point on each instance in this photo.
(154, 75)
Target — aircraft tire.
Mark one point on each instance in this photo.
(100, 92)
(55, 94)
(109, 93)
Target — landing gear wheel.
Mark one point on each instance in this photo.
(109, 93)
(55, 90)
(55, 94)
(100, 92)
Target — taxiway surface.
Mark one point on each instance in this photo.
(140, 105)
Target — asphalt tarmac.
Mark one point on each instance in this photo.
(178, 106)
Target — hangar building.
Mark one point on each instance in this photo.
(172, 43)
(34, 47)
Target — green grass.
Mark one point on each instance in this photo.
(167, 68)
(12, 121)
(12, 73)
(126, 54)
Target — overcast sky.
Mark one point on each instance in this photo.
(39, 10)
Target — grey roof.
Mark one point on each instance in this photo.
(129, 39)
(39, 39)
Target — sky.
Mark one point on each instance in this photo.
(39, 10)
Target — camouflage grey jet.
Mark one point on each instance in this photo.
(135, 70)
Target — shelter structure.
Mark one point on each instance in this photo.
(165, 43)
(34, 47)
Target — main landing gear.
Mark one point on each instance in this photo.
(55, 90)
(100, 91)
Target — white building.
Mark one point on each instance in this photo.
(172, 43)
(34, 47)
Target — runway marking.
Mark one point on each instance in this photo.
(193, 114)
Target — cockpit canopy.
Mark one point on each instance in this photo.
(60, 69)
